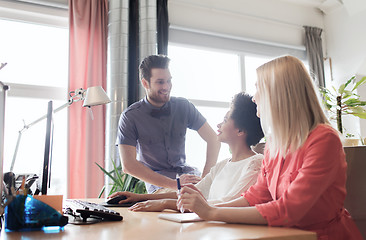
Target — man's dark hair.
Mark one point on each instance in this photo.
(150, 62)
(244, 114)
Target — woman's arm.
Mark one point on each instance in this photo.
(154, 205)
(238, 202)
(248, 215)
(192, 200)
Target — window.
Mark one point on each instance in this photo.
(206, 75)
(251, 63)
(209, 79)
(37, 72)
(209, 68)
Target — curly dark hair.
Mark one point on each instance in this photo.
(152, 61)
(244, 114)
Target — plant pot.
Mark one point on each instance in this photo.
(349, 142)
(355, 186)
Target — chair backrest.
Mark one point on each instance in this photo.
(259, 148)
(355, 201)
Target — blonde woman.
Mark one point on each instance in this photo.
(303, 176)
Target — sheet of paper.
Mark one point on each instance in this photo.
(180, 217)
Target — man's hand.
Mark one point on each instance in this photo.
(130, 197)
(189, 178)
(137, 169)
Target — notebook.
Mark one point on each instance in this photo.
(180, 217)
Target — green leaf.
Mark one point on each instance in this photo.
(119, 175)
(101, 192)
(346, 94)
(360, 82)
(341, 89)
(352, 101)
(328, 106)
(122, 181)
(360, 115)
(324, 91)
(334, 89)
(349, 81)
(139, 187)
(127, 183)
(357, 110)
(105, 172)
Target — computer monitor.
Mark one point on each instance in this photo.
(45, 180)
(3, 89)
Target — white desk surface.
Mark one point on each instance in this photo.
(147, 225)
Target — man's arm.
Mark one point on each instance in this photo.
(213, 147)
(135, 168)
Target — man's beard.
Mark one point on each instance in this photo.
(158, 98)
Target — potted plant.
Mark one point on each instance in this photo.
(344, 100)
(122, 181)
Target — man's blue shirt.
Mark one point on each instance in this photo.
(160, 141)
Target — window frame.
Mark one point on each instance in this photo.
(45, 15)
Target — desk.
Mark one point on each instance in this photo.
(147, 225)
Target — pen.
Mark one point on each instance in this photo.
(178, 186)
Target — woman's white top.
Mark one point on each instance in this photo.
(228, 180)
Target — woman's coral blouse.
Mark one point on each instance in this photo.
(306, 189)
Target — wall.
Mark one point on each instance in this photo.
(346, 45)
(263, 20)
(281, 23)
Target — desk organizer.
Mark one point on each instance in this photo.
(26, 213)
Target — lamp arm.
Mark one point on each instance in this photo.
(78, 95)
(15, 151)
(25, 127)
(45, 116)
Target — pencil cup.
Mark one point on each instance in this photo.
(26, 213)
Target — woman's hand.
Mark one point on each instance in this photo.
(189, 178)
(190, 185)
(130, 197)
(148, 206)
(192, 200)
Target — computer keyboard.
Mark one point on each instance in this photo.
(88, 212)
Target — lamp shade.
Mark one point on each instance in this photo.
(95, 96)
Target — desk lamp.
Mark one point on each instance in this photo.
(93, 96)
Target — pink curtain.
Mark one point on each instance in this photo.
(88, 67)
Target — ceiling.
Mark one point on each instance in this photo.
(323, 5)
(309, 3)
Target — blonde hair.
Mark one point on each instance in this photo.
(289, 105)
